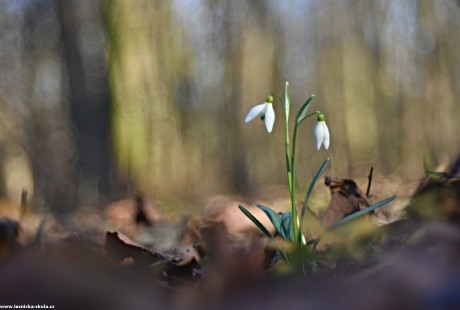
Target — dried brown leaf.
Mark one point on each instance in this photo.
(119, 247)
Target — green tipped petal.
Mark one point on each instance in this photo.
(321, 134)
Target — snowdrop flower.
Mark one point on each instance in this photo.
(265, 112)
(321, 133)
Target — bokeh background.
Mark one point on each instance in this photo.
(100, 99)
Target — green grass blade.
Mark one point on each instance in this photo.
(274, 218)
(256, 221)
(310, 189)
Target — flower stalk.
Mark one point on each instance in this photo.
(288, 224)
(262, 110)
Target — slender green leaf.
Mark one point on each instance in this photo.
(310, 189)
(256, 221)
(286, 219)
(442, 174)
(429, 172)
(273, 216)
(362, 212)
(302, 109)
(350, 218)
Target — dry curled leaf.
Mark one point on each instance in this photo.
(121, 248)
(127, 214)
(346, 198)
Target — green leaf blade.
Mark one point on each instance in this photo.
(304, 107)
(286, 225)
(352, 217)
(256, 222)
(360, 213)
(309, 191)
(273, 216)
(442, 175)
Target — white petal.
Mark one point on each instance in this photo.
(255, 111)
(318, 134)
(326, 136)
(269, 117)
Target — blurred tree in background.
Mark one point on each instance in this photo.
(102, 98)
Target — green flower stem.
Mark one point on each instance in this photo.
(309, 115)
(295, 219)
(290, 166)
(280, 98)
(296, 226)
(290, 159)
(286, 143)
(291, 171)
(288, 162)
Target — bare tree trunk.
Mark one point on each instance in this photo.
(236, 168)
(89, 109)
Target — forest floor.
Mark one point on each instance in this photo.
(131, 256)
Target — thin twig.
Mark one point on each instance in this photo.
(24, 202)
(369, 178)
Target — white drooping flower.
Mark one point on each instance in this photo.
(321, 133)
(265, 112)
